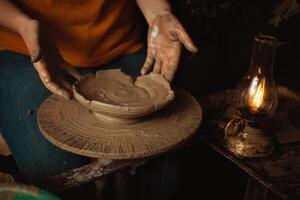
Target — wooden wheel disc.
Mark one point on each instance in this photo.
(72, 127)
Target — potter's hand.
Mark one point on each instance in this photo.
(165, 36)
(47, 60)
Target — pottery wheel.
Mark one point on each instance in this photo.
(72, 127)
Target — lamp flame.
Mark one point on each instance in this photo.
(256, 94)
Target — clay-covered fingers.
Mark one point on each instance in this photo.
(169, 68)
(157, 65)
(56, 87)
(51, 83)
(65, 84)
(148, 63)
(169, 72)
(185, 39)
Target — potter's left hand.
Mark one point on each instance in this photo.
(165, 36)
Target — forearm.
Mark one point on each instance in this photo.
(152, 8)
(11, 17)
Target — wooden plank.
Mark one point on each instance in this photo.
(88, 173)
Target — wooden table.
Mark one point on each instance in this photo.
(279, 173)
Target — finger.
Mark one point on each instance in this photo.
(148, 63)
(157, 66)
(185, 39)
(66, 85)
(170, 68)
(48, 81)
(170, 72)
(72, 71)
(55, 88)
(41, 68)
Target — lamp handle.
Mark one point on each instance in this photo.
(234, 126)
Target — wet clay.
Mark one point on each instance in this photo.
(113, 93)
(74, 128)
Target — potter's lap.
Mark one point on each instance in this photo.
(21, 93)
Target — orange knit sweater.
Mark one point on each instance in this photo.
(87, 32)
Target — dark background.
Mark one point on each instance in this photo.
(224, 31)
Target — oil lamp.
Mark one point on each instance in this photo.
(255, 100)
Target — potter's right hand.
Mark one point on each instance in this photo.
(47, 60)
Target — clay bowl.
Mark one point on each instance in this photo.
(116, 96)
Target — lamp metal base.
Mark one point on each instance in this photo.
(247, 139)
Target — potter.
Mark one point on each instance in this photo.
(48, 45)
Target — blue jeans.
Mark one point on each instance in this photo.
(21, 93)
